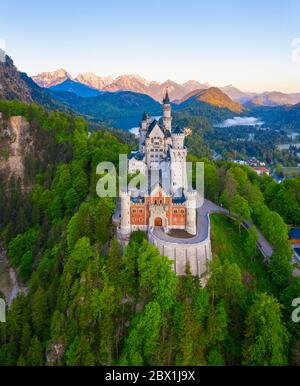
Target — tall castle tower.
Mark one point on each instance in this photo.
(167, 119)
(178, 155)
(125, 213)
(191, 214)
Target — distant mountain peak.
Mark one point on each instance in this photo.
(49, 79)
(274, 98)
(216, 97)
(94, 81)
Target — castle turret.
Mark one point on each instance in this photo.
(178, 138)
(191, 212)
(143, 130)
(167, 119)
(125, 213)
(144, 122)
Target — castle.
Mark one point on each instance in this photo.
(165, 200)
(162, 201)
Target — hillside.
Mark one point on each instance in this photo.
(211, 104)
(15, 85)
(278, 117)
(237, 95)
(214, 97)
(12, 86)
(77, 88)
(122, 109)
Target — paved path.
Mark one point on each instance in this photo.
(263, 244)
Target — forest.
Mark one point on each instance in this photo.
(91, 303)
(236, 142)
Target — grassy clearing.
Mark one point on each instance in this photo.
(228, 243)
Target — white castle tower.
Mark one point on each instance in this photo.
(125, 213)
(191, 213)
(178, 155)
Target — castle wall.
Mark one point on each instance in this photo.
(197, 254)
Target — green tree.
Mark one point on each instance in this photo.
(25, 267)
(241, 209)
(280, 265)
(35, 353)
(40, 313)
(266, 337)
(71, 199)
(251, 241)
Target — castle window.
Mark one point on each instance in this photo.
(141, 220)
(182, 211)
(175, 211)
(133, 211)
(141, 210)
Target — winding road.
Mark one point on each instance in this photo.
(203, 229)
(203, 225)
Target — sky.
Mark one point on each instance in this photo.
(244, 43)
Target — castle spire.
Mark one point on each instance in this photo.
(145, 116)
(166, 100)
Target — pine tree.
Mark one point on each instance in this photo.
(35, 355)
(40, 313)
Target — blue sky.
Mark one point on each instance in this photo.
(245, 43)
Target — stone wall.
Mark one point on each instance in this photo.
(197, 254)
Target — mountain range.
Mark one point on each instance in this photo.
(123, 109)
(156, 90)
(131, 82)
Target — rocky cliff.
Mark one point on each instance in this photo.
(15, 143)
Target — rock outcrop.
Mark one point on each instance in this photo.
(15, 144)
(12, 86)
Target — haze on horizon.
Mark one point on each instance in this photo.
(247, 44)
